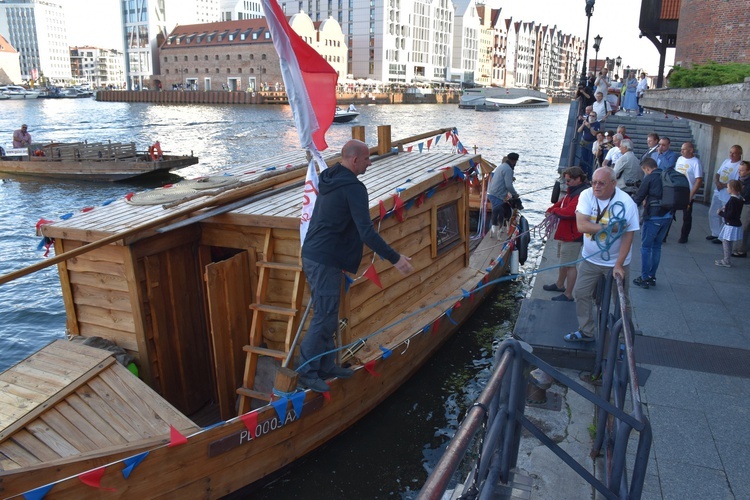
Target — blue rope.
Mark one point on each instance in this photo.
(604, 238)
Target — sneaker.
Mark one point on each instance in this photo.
(563, 298)
(553, 288)
(315, 384)
(336, 372)
(717, 241)
(643, 283)
(721, 263)
(651, 281)
(711, 237)
(682, 240)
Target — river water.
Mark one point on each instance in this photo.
(387, 454)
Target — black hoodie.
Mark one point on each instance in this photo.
(341, 222)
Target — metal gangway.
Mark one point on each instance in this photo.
(497, 417)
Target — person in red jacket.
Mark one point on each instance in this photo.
(569, 240)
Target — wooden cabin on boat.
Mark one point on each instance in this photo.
(207, 301)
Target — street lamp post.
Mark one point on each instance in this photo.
(597, 44)
(618, 62)
(589, 12)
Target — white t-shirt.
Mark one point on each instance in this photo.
(623, 206)
(613, 155)
(602, 85)
(690, 168)
(727, 171)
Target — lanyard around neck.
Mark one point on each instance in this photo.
(599, 212)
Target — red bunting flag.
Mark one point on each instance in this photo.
(251, 422)
(372, 275)
(447, 135)
(429, 144)
(420, 200)
(408, 150)
(175, 438)
(398, 207)
(370, 367)
(327, 396)
(383, 211)
(457, 305)
(94, 477)
(436, 325)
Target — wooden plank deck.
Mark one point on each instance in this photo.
(69, 399)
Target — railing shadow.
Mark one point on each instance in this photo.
(499, 414)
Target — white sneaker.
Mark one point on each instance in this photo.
(494, 232)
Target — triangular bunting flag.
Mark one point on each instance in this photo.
(431, 192)
(280, 406)
(398, 207)
(38, 493)
(455, 140)
(447, 135)
(383, 211)
(429, 144)
(437, 139)
(436, 325)
(386, 352)
(420, 146)
(327, 396)
(131, 463)
(298, 402)
(457, 305)
(408, 150)
(372, 275)
(458, 173)
(347, 282)
(175, 438)
(465, 293)
(448, 315)
(251, 422)
(94, 477)
(426, 328)
(370, 367)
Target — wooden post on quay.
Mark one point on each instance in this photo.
(384, 139)
(358, 132)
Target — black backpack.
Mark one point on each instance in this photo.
(675, 190)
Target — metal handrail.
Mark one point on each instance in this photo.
(502, 406)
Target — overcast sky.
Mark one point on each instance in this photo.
(96, 22)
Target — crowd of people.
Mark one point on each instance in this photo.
(637, 194)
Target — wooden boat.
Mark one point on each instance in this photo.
(91, 162)
(342, 116)
(207, 296)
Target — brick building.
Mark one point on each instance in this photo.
(713, 31)
(239, 55)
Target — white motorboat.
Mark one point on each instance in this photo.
(499, 97)
(18, 92)
(342, 116)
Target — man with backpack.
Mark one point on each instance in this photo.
(656, 221)
(689, 166)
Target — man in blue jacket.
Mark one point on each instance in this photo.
(340, 223)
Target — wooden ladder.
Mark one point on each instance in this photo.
(262, 308)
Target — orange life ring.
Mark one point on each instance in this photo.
(154, 151)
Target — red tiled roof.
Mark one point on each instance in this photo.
(218, 33)
(5, 46)
(670, 9)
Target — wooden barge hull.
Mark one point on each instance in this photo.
(94, 170)
(198, 469)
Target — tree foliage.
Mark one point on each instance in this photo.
(708, 75)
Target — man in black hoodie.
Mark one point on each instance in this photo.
(340, 223)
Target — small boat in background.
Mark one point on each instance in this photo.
(18, 92)
(502, 98)
(342, 116)
(107, 162)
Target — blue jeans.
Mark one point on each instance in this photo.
(498, 210)
(325, 285)
(652, 235)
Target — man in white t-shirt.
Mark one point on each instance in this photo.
(597, 207)
(601, 107)
(689, 166)
(614, 153)
(729, 170)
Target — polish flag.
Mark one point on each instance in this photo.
(309, 80)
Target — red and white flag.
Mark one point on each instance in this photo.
(311, 88)
(310, 81)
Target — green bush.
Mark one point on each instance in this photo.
(708, 75)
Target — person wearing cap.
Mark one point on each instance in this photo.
(500, 191)
(21, 138)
